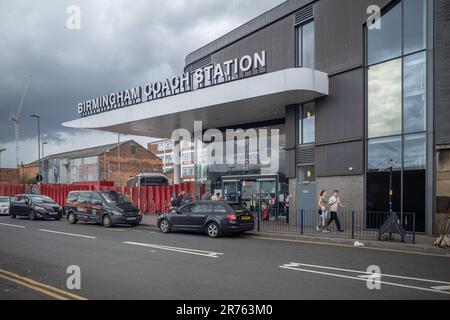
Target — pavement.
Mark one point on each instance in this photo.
(141, 263)
(423, 243)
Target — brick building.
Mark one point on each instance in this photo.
(9, 176)
(100, 163)
(164, 149)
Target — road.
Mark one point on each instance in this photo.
(142, 263)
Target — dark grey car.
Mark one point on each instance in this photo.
(35, 207)
(210, 217)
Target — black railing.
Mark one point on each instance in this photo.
(354, 224)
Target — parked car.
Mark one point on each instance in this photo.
(210, 217)
(35, 207)
(108, 208)
(4, 205)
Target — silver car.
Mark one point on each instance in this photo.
(4, 205)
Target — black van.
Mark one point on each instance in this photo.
(108, 208)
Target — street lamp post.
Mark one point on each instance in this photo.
(43, 144)
(105, 166)
(43, 161)
(38, 117)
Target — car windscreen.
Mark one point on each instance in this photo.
(114, 197)
(238, 208)
(153, 182)
(41, 199)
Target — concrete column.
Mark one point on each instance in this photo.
(177, 163)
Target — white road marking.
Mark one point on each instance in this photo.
(68, 234)
(208, 254)
(363, 276)
(12, 225)
(364, 273)
(442, 288)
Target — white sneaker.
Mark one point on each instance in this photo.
(317, 228)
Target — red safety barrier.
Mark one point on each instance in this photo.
(149, 200)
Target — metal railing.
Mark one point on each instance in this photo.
(354, 224)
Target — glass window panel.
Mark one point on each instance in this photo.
(377, 201)
(382, 150)
(386, 43)
(300, 124)
(414, 25)
(414, 197)
(415, 93)
(309, 120)
(385, 99)
(299, 47)
(308, 45)
(306, 174)
(415, 152)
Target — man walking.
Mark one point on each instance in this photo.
(206, 196)
(334, 204)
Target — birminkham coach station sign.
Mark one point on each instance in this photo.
(189, 81)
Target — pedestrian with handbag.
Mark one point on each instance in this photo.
(322, 205)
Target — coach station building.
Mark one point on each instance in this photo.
(348, 94)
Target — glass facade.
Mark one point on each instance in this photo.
(385, 99)
(305, 45)
(397, 110)
(248, 158)
(306, 123)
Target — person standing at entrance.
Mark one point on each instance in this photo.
(334, 204)
(322, 205)
(287, 200)
(272, 208)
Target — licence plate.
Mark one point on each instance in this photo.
(131, 219)
(246, 218)
(53, 213)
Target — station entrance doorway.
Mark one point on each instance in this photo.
(254, 191)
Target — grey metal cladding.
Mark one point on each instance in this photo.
(339, 29)
(304, 14)
(291, 167)
(340, 159)
(276, 39)
(291, 127)
(305, 155)
(267, 18)
(204, 62)
(340, 116)
(442, 71)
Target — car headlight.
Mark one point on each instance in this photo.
(40, 208)
(116, 213)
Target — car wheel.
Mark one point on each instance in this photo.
(32, 215)
(165, 226)
(71, 218)
(212, 229)
(107, 222)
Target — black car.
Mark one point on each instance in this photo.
(35, 207)
(108, 208)
(213, 218)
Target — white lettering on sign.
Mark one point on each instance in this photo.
(188, 81)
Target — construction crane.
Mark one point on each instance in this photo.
(15, 117)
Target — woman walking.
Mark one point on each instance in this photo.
(322, 205)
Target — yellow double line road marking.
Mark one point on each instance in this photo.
(39, 287)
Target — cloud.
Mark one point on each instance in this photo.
(121, 44)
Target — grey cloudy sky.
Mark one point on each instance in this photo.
(121, 44)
